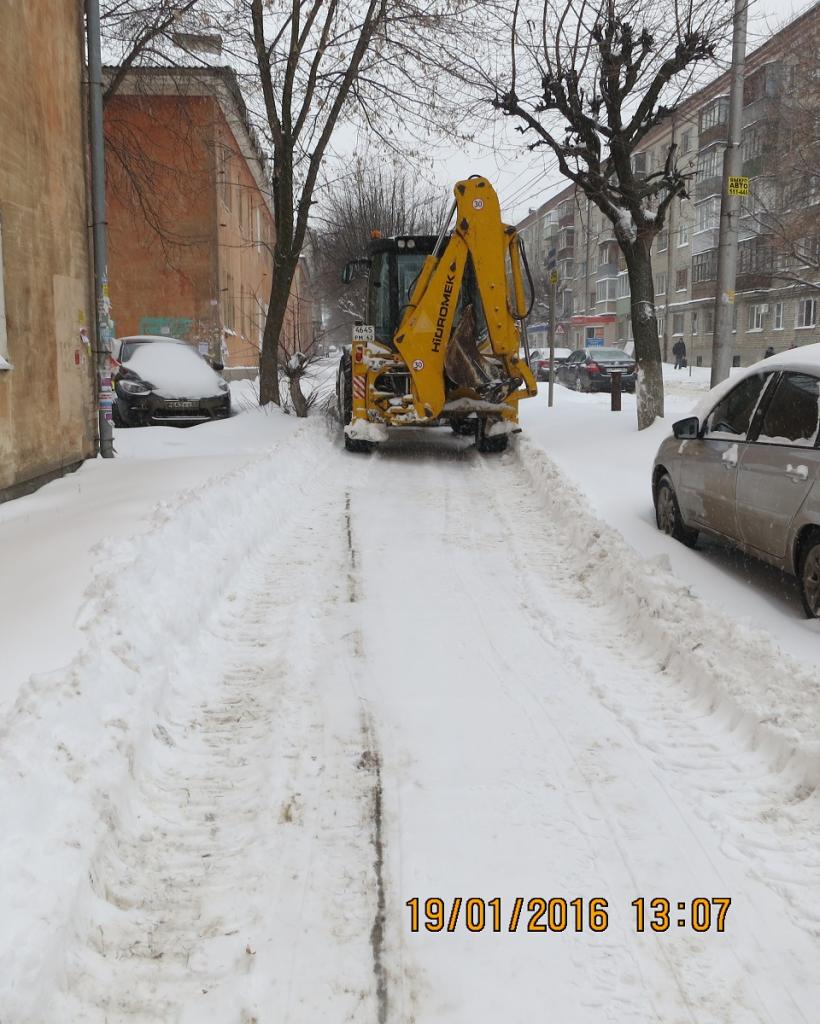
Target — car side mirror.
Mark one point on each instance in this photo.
(688, 429)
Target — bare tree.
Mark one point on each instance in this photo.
(392, 200)
(589, 79)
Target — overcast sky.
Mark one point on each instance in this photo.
(524, 179)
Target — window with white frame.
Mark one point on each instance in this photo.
(707, 215)
(677, 323)
(683, 233)
(606, 289)
(660, 284)
(685, 142)
(694, 321)
(777, 316)
(710, 164)
(754, 317)
(4, 340)
(661, 321)
(623, 286)
(663, 241)
(807, 313)
(681, 279)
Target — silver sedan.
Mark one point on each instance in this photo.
(745, 468)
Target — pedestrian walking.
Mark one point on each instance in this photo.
(679, 352)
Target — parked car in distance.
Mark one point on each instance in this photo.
(165, 380)
(591, 369)
(744, 468)
(541, 365)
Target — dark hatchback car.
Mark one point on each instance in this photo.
(591, 369)
(745, 468)
(165, 381)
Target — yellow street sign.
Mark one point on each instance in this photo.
(553, 277)
(738, 186)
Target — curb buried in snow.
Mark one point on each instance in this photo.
(766, 696)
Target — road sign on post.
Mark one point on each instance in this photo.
(738, 186)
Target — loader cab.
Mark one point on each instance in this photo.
(395, 263)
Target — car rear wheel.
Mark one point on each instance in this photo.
(667, 514)
(809, 576)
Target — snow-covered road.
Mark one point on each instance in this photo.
(430, 674)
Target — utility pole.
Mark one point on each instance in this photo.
(100, 230)
(734, 186)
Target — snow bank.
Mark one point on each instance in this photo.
(764, 694)
(72, 738)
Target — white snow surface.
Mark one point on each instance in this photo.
(361, 430)
(176, 371)
(303, 687)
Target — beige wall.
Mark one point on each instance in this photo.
(47, 410)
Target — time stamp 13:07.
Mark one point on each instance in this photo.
(539, 914)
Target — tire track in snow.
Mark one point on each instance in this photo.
(237, 884)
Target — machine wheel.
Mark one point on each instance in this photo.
(463, 426)
(809, 575)
(486, 444)
(667, 514)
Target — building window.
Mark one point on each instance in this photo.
(639, 163)
(694, 321)
(683, 233)
(704, 266)
(710, 164)
(685, 142)
(677, 323)
(707, 215)
(682, 279)
(607, 289)
(661, 320)
(807, 313)
(660, 284)
(225, 186)
(714, 114)
(709, 321)
(778, 316)
(663, 241)
(623, 286)
(4, 338)
(754, 319)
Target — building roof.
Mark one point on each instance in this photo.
(220, 83)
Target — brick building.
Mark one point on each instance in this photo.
(190, 217)
(47, 398)
(778, 285)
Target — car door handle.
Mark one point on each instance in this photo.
(797, 473)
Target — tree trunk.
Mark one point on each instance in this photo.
(283, 274)
(297, 396)
(649, 389)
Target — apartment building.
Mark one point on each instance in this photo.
(778, 284)
(191, 223)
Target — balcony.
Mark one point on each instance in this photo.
(708, 187)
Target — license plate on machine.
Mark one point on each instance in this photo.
(186, 406)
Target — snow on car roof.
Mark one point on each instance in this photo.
(176, 370)
(805, 359)
(152, 337)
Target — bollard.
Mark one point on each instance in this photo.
(615, 393)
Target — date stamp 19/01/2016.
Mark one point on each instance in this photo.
(556, 914)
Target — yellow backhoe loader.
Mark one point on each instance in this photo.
(445, 330)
